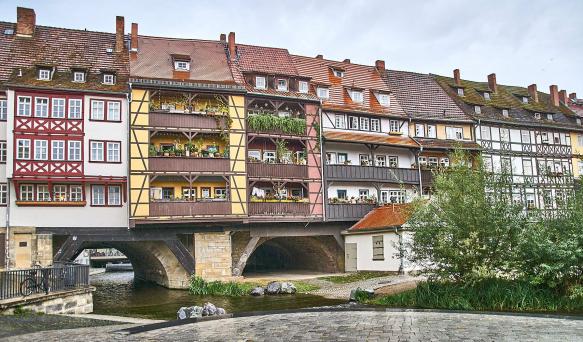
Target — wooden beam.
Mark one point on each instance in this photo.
(249, 248)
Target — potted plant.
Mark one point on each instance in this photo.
(172, 151)
(153, 151)
(179, 151)
(204, 153)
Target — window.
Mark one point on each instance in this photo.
(478, 109)
(342, 158)
(27, 192)
(537, 116)
(356, 96)
(364, 160)
(97, 108)
(524, 99)
(393, 161)
(330, 158)
(3, 151)
(340, 121)
(323, 93)
(505, 113)
(506, 164)
(363, 194)
(578, 120)
(75, 193)
(364, 124)
(22, 148)
(297, 192)
(338, 73)
(75, 106)
(44, 74)
(397, 196)
(113, 111)
(114, 195)
(527, 167)
(260, 82)
(375, 125)
(98, 195)
(352, 122)
(113, 152)
(189, 194)
(530, 201)
(41, 150)
(486, 95)
(431, 131)
(3, 109)
(303, 86)
(24, 105)
(41, 107)
(525, 137)
(460, 91)
(269, 156)
(384, 100)
(422, 160)
(74, 150)
(108, 79)
(167, 193)
(58, 110)
(205, 192)
(444, 162)
(378, 248)
(380, 161)
(59, 193)
(254, 155)
(282, 84)
(549, 116)
(58, 150)
(3, 194)
(283, 113)
(78, 76)
(96, 151)
(420, 130)
(580, 166)
(42, 193)
(341, 194)
(433, 161)
(220, 193)
(485, 132)
(454, 133)
(394, 126)
(182, 65)
(488, 163)
(545, 137)
(504, 134)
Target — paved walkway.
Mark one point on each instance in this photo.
(343, 326)
(342, 291)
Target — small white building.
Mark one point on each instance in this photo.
(375, 243)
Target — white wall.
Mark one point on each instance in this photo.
(406, 157)
(328, 122)
(392, 262)
(352, 189)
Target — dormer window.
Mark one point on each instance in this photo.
(181, 65)
(486, 96)
(384, 100)
(44, 74)
(282, 84)
(537, 116)
(356, 96)
(303, 86)
(79, 76)
(505, 113)
(549, 116)
(460, 91)
(109, 79)
(260, 82)
(578, 121)
(338, 73)
(323, 93)
(524, 99)
(478, 109)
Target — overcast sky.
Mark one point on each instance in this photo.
(522, 41)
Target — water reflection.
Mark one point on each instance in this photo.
(118, 294)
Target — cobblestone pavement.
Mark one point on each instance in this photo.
(345, 326)
(342, 291)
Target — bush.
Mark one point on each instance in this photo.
(199, 286)
(267, 122)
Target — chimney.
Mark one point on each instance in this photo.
(573, 96)
(554, 91)
(320, 57)
(223, 38)
(134, 39)
(25, 21)
(232, 51)
(563, 96)
(380, 65)
(119, 28)
(456, 77)
(533, 92)
(492, 82)
(347, 60)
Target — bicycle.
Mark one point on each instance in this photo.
(30, 283)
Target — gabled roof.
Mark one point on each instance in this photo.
(507, 97)
(421, 97)
(154, 60)
(267, 60)
(356, 76)
(382, 218)
(63, 49)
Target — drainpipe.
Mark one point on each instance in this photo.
(129, 147)
(7, 237)
(324, 186)
(419, 171)
(401, 256)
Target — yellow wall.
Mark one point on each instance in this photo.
(197, 185)
(440, 128)
(577, 150)
(139, 146)
(238, 155)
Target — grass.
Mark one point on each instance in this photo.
(354, 277)
(485, 295)
(201, 287)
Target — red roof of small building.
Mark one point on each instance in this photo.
(388, 216)
(268, 60)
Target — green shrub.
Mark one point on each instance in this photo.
(267, 122)
(201, 287)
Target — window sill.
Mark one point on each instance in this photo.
(51, 203)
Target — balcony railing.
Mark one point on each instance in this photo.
(347, 211)
(279, 209)
(190, 208)
(188, 164)
(179, 120)
(284, 171)
(372, 173)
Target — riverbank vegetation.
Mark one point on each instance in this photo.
(483, 247)
(355, 276)
(199, 286)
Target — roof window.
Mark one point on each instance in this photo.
(260, 82)
(537, 116)
(524, 99)
(323, 93)
(44, 74)
(487, 95)
(478, 109)
(79, 76)
(181, 65)
(338, 73)
(384, 99)
(303, 86)
(282, 84)
(356, 96)
(108, 78)
(460, 91)
(505, 113)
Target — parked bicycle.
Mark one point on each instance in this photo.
(31, 283)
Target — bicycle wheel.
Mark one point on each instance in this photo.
(27, 286)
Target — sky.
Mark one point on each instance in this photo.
(522, 41)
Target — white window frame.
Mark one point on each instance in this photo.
(353, 122)
(331, 158)
(113, 195)
(42, 193)
(97, 110)
(394, 126)
(58, 150)
(74, 150)
(182, 65)
(364, 124)
(323, 92)
(375, 125)
(454, 133)
(303, 87)
(3, 151)
(79, 76)
(113, 111)
(23, 149)
(393, 161)
(340, 121)
(526, 162)
(113, 152)
(24, 107)
(357, 96)
(59, 192)
(363, 193)
(380, 160)
(58, 108)
(41, 149)
(431, 131)
(41, 107)
(98, 195)
(384, 100)
(26, 192)
(460, 91)
(269, 156)
(487, 95)
(260, 82)
(109, 79)
(75, 109)
(524, 99)
(420, 130)
(485, 129)
(44, 74)
(478, 109)
(3, 109)
(3, 193)
(505, 113)
(281, 84)
(96, 149)
(398, 195)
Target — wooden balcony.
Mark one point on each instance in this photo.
(189, 208)
(186, 121)
(282, 171)
(51, 203)
(188, 164)
(371, 174)
(279, 209)
(347, 212)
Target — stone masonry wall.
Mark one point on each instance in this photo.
(212, 255)
(70, 302)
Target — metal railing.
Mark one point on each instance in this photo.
(58, 277)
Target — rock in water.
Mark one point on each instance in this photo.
(209, 309)
(360, 293)
(288, 288)
(183, 312)
(273, 288)
(258, 291)
(196, 312)
(221, 311)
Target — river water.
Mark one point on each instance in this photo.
(117, 294)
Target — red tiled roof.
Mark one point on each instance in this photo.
(447, 144)
(356, 76)
(393, 140)
(208, 61)
(268, 60)
(63, 49)
(388, 216)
